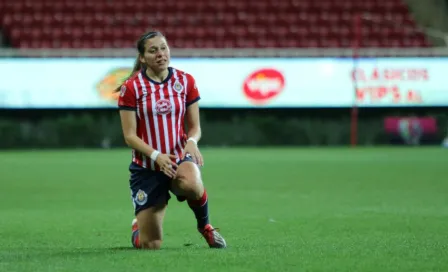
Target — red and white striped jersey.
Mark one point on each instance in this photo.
(160, 109)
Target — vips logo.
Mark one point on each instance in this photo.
(111, 81)
(263, 85)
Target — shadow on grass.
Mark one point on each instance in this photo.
(186, 245)
(25, 254)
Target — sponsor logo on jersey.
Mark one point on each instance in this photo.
(163, 106)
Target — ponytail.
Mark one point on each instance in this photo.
(137, 66)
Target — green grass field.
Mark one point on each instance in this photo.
(338, 209)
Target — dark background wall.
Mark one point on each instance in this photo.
(221, 127)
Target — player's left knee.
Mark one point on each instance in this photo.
(189, 182)
(191, 186)
(197, 189)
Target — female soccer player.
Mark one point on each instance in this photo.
(153, 103)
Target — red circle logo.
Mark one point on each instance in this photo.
(163, 106)
(263, 85)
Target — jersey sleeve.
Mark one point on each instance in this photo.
(192, 92)
(127, 99)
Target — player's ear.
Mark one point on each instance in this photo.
(142, 59)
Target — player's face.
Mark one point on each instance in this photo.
(157, 54)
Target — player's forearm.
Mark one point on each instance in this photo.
(138, 144)
(195, 133)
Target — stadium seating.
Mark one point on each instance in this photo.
(208, 23)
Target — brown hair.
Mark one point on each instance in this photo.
(141, 51)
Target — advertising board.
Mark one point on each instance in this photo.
(234, 82)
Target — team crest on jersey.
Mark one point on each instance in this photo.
(141, 198)
(177, 86)
(163, 106)
(122, 90)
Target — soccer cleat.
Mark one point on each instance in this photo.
(134, 235)
(213, 237)
(134, 225)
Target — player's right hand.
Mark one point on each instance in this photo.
(167, 165)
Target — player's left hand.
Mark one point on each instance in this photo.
(192, 149)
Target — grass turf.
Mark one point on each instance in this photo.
(334, 209)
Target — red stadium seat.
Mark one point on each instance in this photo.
(208, 23)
